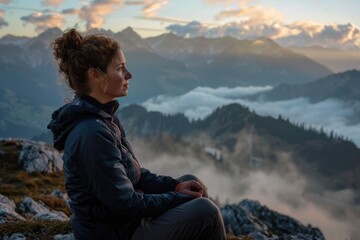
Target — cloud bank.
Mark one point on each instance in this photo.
(250, 19)
(43, 21)
(297, 34)
(243, 19)
(330, 114)
(54, 3)
(285, 190)
(95, 13)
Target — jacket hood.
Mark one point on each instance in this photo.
(64, 119)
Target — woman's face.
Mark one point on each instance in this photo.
(117, 77)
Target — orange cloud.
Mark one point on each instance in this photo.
(3, 23)
(95, 13)
(43, 21)
(309, 28)
(54, 3)
(152, 7)
(255, 14)
(71, 11)
(5, 1)
(343, 36)
(164, 19)
(221, 1)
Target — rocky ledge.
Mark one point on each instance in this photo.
(25, 159)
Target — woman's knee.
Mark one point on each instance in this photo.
(206, 207)
(188, 177)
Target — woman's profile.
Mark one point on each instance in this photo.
(111, 195)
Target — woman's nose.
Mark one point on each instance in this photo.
(128, 75)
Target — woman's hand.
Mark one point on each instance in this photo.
(192, 187)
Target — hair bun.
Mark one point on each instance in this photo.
(67, 45)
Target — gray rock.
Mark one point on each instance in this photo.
(52, 216)
(8, 214)
(259, 236)
(41, 212)
(7, 201)
(69, 236)
(39, 157)
(61, 195)
(33, 207)
(15, 236)
(7, 211)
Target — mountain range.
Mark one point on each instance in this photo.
(231, 62)
(344, 86)
(334, 59)
(30, 86)
(225, 124)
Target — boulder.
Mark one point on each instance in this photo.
(7, 211)
(39, 157)
(15, 236)
(61, 195)
(33, 156)
(7, 201)
(69, 236)
(250, 218)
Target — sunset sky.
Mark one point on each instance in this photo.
(324, 22)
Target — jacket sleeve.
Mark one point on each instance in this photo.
(149, 182)
(153, 183)
(107, 179)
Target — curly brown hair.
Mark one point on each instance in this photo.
(77, 54)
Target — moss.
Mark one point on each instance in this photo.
(54, 203)
(37, 186)
(21, 183)
(36, 229)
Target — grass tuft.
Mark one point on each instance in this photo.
(41, 230)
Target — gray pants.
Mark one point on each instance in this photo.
(199, 219)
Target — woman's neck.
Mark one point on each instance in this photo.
(101, 98)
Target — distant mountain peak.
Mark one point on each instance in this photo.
(10, 39)
(170, 36)
(50, 33)
(11, 36)
(129, 30)
(130, 33)
(264, 41)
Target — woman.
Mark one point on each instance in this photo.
(111, 196)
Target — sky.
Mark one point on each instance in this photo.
(317, 22)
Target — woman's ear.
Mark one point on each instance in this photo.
(93, 75)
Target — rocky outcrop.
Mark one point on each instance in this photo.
(257, 221)
(15, 236)
(40, 211)
(69, 236)
(63, 196)
(35, 156)
(7, 211)
(40, 157)
(248, 218)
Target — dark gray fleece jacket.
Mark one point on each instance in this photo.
(103, 175)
